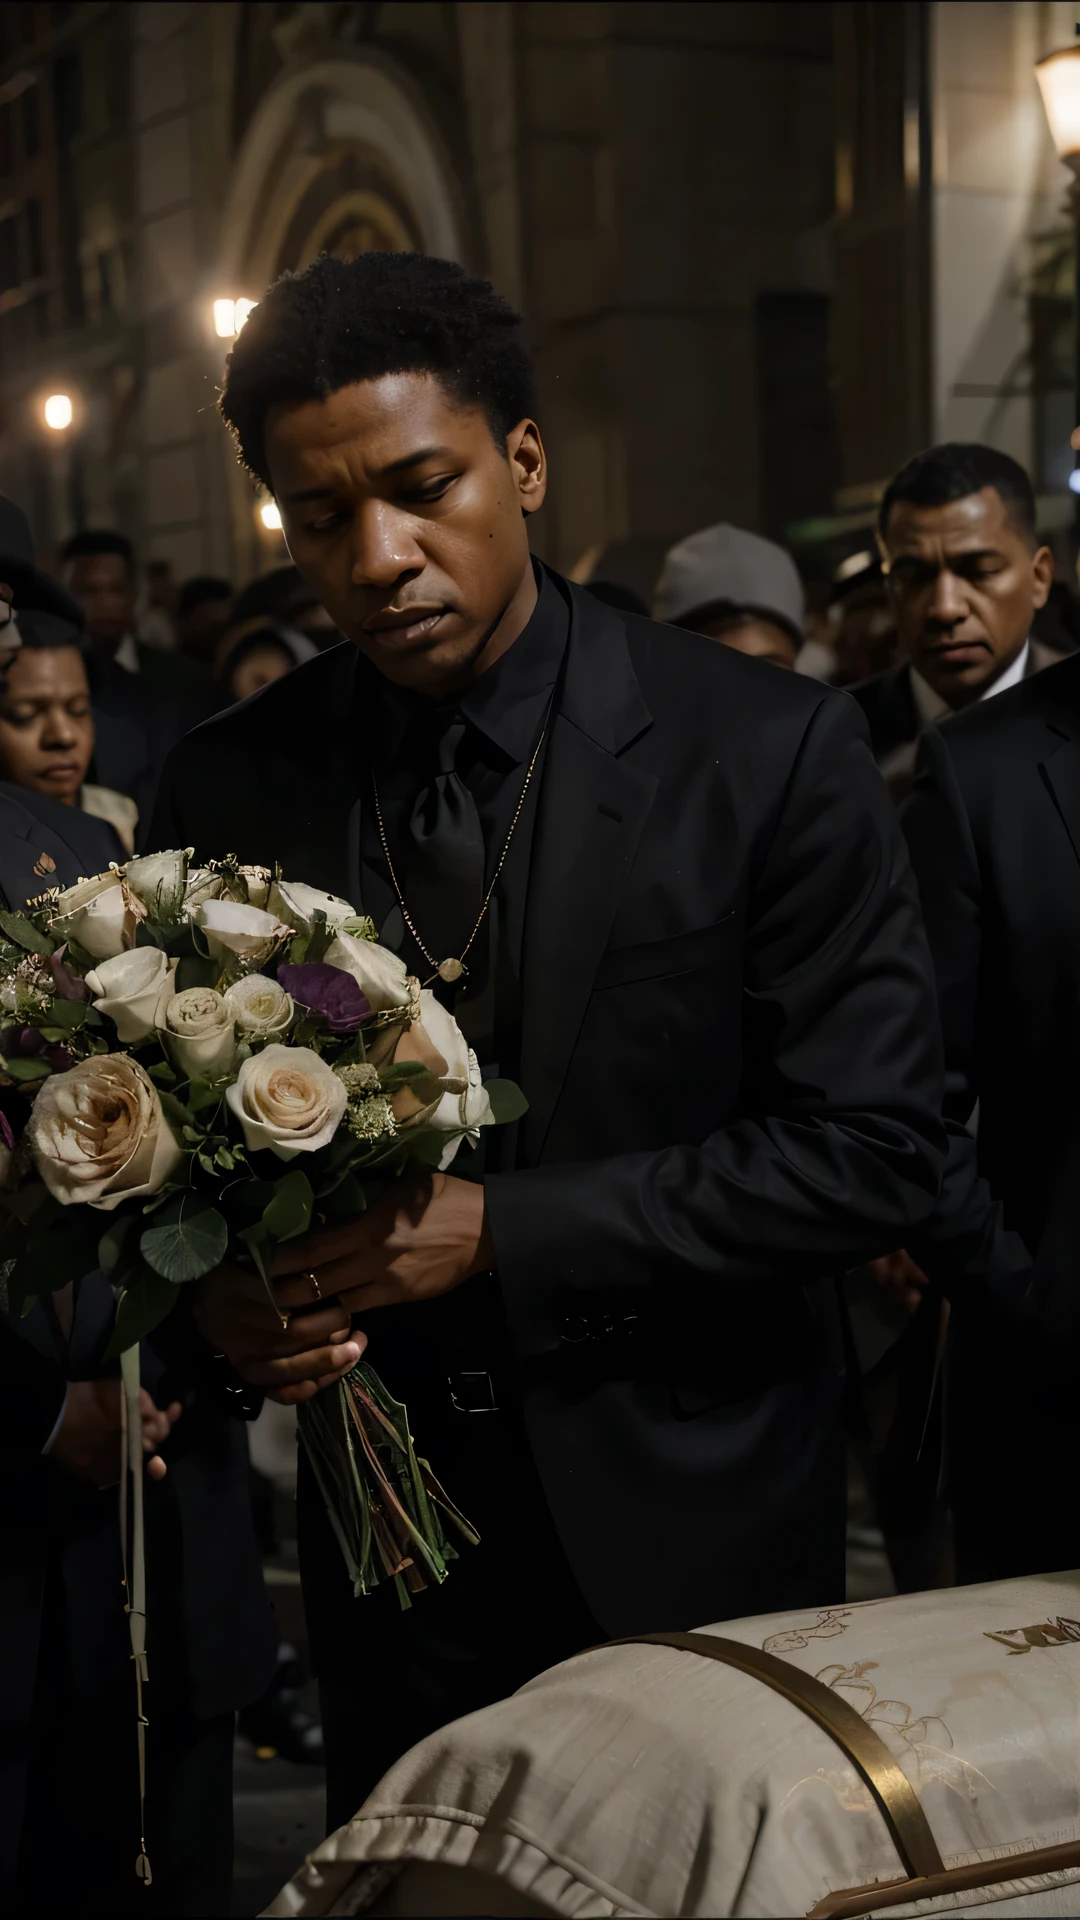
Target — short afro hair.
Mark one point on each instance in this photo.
(346, 320)
(953, 471)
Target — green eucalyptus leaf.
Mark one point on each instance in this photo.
(188, 1239)
(27, 1067)
(24, 933)
(507, 1100)
(343, 1201)
(142, 1306)
(289, 1212)
(67, 1013)
(117, 1239)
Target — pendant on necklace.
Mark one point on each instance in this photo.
(449, 970)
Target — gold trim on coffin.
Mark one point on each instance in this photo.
(927, 1876)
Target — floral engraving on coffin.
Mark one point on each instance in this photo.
(1049, 1633)
(829, 1623)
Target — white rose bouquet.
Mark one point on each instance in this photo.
(198, 1063)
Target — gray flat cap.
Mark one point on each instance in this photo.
(727, 563)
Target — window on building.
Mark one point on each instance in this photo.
(67, 98)
(9, 254)
(35, 239)
(30, 105)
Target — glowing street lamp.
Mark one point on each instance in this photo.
(230, 316)
(270, 516)
(58, 411)
(1059, 83)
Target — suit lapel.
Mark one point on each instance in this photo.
(593, 806)
(1060, 771)
(308, 786)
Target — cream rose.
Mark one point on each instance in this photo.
(200, 1033)
(233, 928)
(382, 977)
(298, 905)
(261, 1008)
(133, 989)
(98, 1135)
(464, 1107)
(159, 880)
(99, 914)
(287, 1100)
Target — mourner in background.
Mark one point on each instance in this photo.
(993, 825)
(966, 574)
(736, 587)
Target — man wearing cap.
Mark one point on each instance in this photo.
(966, 573)
(68, 1774)
(735, 587)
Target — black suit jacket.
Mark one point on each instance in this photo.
(139, 717)
(731, 1055)
(993, 826)
(44, 843)
(210, 1631)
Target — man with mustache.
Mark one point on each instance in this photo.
(662, 887)
(967, 573)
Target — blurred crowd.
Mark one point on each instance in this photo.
(124, 660)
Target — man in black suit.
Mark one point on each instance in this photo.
(966, 576)
(993, 827)
(701, 959)
(68, 1772)
(144, 698)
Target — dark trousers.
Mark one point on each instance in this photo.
(1012, 1432)
(509, 1608)
(80, 1828)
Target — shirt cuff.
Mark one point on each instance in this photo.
(58, 1422)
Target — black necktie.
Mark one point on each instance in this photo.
(444, 870)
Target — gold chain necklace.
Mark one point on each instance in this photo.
(452, 968)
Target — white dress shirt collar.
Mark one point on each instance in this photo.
(931, 707)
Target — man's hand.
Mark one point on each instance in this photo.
(87, 1441)
(290, 1363)
(418, 1241)
(898, 1276)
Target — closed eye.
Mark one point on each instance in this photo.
(431, 490)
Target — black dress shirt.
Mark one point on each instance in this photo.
(506, 710)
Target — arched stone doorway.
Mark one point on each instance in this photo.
(341, 155)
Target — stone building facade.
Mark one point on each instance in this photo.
(764, 250)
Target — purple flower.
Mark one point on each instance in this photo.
(327, 991)
(69, 985)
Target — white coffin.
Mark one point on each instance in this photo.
(648, 1781)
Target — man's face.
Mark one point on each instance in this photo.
(103, 585)
(965, 581)
(406, 519)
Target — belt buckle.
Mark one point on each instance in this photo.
(471, 1391)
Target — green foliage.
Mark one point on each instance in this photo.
(146, 1300)
(196, 971)
(289, 1212)
(24, 933)
(320, 937)
(29, 1066)
(189, 1238)
(59, 1244)
(68, 1014)
(507, 1100)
